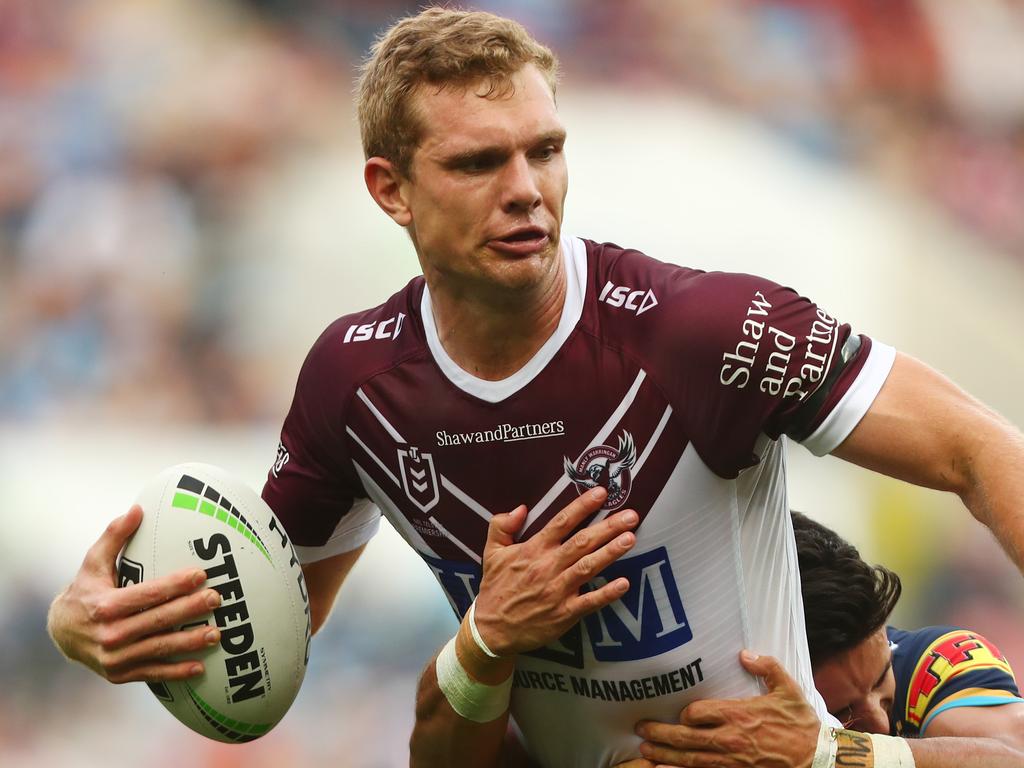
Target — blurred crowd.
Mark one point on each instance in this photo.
(141, 141)
(134, 133)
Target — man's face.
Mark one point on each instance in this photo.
(858, 685)
(487, 186)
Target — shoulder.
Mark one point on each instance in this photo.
(618, 272)
(625, 278)
(350, 351)
(661, 308)
(735, 354)
(943, 649)
(357, 346)
(934, 665)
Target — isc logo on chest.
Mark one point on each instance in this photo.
(647, 621)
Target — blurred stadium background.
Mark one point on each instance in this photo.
(181, 212)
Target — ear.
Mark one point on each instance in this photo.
(386, 187)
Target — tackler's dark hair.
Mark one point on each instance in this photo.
(845, 599)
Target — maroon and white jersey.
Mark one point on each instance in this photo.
(669, 386)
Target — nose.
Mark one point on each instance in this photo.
(875, 717)
(520, 188)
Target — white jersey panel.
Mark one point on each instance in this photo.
(770, 566)
(689, 587)
(355, 529)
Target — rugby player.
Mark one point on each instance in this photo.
(627, 411)
(931, 682)
(935, 681)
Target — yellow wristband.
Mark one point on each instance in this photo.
(871, 750)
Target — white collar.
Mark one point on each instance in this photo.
(575, 254)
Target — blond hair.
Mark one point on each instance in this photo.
(442, 48)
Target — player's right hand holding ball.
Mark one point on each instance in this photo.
(123, 634)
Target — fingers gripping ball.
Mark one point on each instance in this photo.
(197, 515)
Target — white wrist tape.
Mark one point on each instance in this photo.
(470, 699)
(891, 752)
(887, 751)
(825, 754)
(476, 632)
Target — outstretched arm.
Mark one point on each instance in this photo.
(1003, 723)
(529, 596)
(924, 429)
(781, 729)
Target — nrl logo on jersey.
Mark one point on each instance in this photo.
(602, 465)
(419, 478)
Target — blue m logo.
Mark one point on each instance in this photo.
(648, 620)
(460, 581)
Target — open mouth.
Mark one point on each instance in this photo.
(523, 236)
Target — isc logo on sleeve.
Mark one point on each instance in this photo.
(378, 329)
(647, 621)
(624, 296)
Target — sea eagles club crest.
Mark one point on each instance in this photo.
(605, 466)
(419, 477)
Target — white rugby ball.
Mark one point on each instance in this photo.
(199, 515)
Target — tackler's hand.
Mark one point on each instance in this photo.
(777, 730)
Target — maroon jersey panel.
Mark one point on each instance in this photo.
(737, 354)
(314, 483)
(662, 356)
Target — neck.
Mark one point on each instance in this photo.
(493, 334)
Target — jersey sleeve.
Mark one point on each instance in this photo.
(958, 668)
(312, 486)
(758, 357)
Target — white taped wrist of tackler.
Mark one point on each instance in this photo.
(892, 752)
(825, 753)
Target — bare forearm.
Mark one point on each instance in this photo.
(863, 750)
(924, 429)
(956, 752)
(995, 487)
(441, 738)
